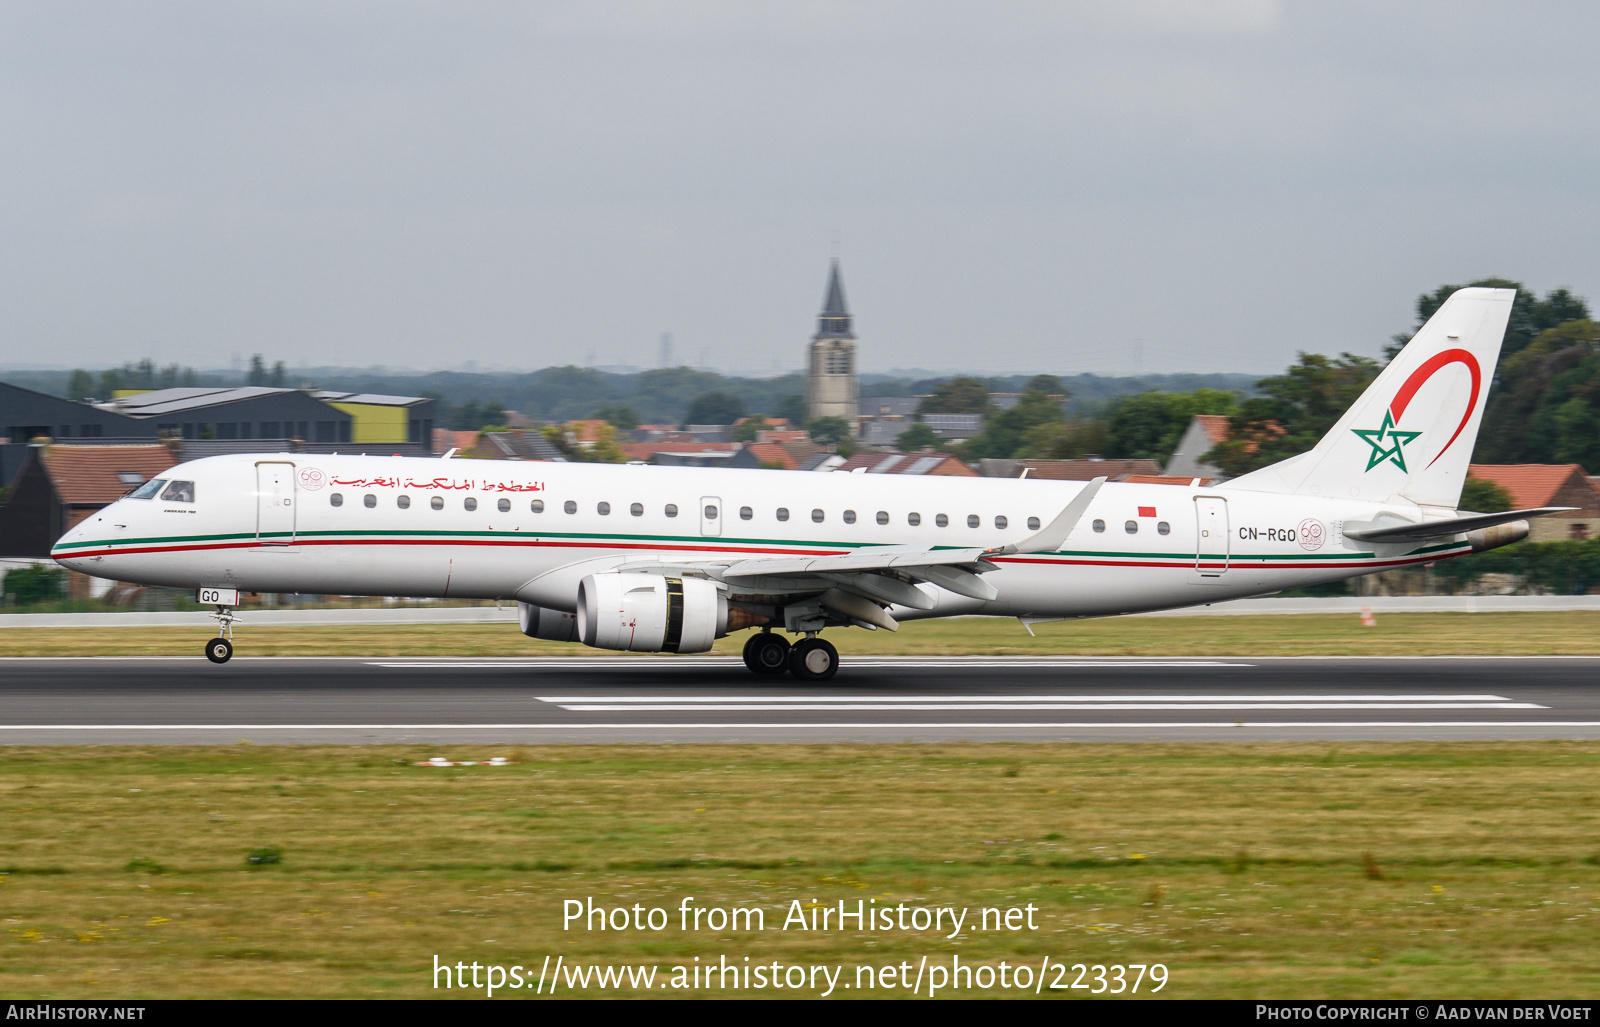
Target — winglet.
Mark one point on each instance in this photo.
(1055, 533)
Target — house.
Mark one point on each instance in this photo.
(512, 445)
(1205, 431)
(1069, 470)
(25, 415)
(1534, 485)
(446, 439)
(906, 463)
(787, 455)
(384, 419)
(60, 485)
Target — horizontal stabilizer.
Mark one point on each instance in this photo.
(1453, 526)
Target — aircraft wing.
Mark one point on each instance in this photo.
(1453, 526)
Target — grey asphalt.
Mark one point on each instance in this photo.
(118, 700)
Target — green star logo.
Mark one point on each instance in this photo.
(1386, 442)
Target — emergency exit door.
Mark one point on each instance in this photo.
(275, 503)
(1211, 540)
(710, 515)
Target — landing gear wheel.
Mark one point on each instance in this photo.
(813, 660)
(219, 650)
(766, 653)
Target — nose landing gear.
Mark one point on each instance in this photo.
(220, 649)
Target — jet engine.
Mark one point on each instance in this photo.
(554, 625)
(650, 613)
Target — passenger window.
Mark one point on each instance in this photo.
(745, 513)
(1099, 525)
(883, 517)
(604, 509)
(504, 506)
(672, 509)
(570, 507)
(1132, 527)
(537, 506)
(816, 516)
(1001, 522)
(972, 520)
(1163, 528)
(149, 490)
(783, 513)
(335, 499)
(710, 512)
(849, 516)
(1033, 524)
(470, 503)
(437, 502)
(403, 502)
(940, 520)
(179, 492)
(913, 519)
(637, 509)
(369, 501)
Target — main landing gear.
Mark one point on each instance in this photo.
(220, 649)
(810, 659)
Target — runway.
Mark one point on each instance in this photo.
(129, 700)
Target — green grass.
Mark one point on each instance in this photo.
(1405, 634)
(1282, 870)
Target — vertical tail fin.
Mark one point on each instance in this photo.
(1411, 434)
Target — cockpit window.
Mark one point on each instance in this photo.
(179, 492)
(149, 489)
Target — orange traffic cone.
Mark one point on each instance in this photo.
(1367, 619)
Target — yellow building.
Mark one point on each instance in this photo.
(383, 420)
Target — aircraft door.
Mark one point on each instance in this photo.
(275, 503)
(710, 515)
(1212, 540)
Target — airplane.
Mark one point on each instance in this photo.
(670, 559)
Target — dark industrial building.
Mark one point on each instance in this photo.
(248, 412)
(25, 414)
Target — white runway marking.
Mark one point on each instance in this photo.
(704, 663)
(663, 726)
(801, 703)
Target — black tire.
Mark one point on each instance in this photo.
(749, 652)
(813, 660)
(219, 650)
(767, 653)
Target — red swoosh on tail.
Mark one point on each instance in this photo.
(1419, 378)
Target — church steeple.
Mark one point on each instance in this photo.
(834, 321)
(831, 386)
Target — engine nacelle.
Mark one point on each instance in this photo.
(554, 625)
(650, 613)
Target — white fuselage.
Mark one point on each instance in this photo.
(470, 529)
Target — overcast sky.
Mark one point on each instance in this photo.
(1207, 185)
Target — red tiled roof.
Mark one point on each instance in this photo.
(646, 450)
(445, 439)
(88, 475)
(773, 453)
(1083, 470)
(1532, 485)
(907, 463)
(1214, 425)
(1160, 479)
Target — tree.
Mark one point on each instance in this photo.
(1150, 424)
(258, 371)
(714, 408)
(828, 431)
(26, 586)
(1545, 406)
(1007, 433)
(957, 396)
(619, 417)
(747, 429)
(280, 376)
(110, 382)
(1048, 384)
(80, 386)
(1068, 440)
(918, 436)
(792, 409)
(1482, 496)
(1529, 314)
(1296, 409)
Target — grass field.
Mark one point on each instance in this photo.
(1406, 634)
(1351, 870)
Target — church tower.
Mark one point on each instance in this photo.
(831, 388)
